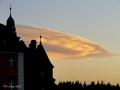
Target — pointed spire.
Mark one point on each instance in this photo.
(10, 22)
(44, 59)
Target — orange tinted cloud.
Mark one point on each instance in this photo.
(61, 45)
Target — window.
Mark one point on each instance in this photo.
(12, 63)
(41, 73)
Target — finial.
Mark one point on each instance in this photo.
(40, 39)
(10, 9)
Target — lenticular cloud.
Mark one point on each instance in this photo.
(60, 45)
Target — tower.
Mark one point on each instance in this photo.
(11, 57)
(10, 22)
(22, 67)
(46, 68)
(39, 70)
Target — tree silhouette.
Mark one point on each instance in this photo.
(68, 85)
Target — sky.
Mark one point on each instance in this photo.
(88, 27)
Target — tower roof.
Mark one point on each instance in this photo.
(43, 55)
(10, 20)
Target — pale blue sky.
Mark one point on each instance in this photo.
(98, 20)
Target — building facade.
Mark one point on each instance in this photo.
(22, 67)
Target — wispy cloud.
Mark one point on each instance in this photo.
(61, 45)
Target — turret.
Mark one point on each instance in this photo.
(11, 23)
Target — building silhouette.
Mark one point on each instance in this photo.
(22, 67)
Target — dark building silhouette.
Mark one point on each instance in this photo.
(22, 67)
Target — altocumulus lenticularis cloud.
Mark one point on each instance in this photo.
(60, 45)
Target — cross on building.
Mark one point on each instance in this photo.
(11, 62)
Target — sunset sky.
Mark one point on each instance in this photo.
(81, 37)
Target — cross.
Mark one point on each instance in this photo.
(11, 62)
(11, 85)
